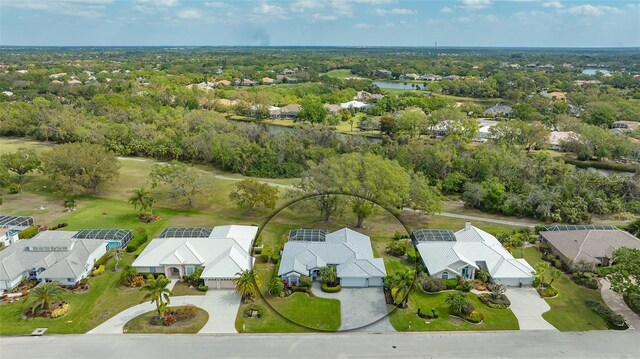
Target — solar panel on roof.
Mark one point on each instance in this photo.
(186, 233)
(433, 235)
(309, 235)
(577, 227)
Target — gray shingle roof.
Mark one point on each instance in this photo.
(590, 244)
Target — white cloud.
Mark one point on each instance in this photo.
(324, 17)
(154, 6)
(372, 2)
(492, 19)
(80, 8)
(216, 4)
(188, 14)
(266, 12)
(303, 5)
(593, 10)
(362, 26)
(395, 11)
(446, 10)
(553, 4)
(474, 4)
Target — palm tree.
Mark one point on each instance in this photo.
(245, 283)
(143, 199)
(457, 301)
(541, 268)
(328, 275)
(158, 292)
(555, 274)
(402, 284)
(275, 286)
(44, 295)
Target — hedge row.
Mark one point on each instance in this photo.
(140, 237)
(327, 289)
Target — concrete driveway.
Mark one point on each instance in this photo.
(361, 309)
(616, 303)
(222, 306)
(528, 306)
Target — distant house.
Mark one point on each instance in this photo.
(498, 111)
(7, 93)
(410, 76)
(592, 244)
(555, 95)
(449, 255)
(74, 82)
(275, 112)
(10, 226)
(484, 129)
(308, 250)
(279, 77)
(247, 82)
(51, 256)
(221, 252)
(333, 109)
(204, 86)
(290, 111)
(291, 80)
(58, 75)
(267, 81)
(430, 77)
(226, 103)
(360, 106)
(556, 138)
(623, 127)
(366, 96)
(57, 82)
(222, 83)
(369, 124)
(452, 77)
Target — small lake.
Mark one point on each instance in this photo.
(595, 71)
(604, 172)
(273, 129)
(398, 85)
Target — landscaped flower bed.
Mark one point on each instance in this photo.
(547, 292)
(56, 310)
(25, 285)
(501, 302)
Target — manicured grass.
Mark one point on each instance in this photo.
(142, 324)
(408, 320)
(103, 300)
(182, 288)
(341, 74)
(568, 311)
(296, 313)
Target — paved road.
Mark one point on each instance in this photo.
(528, 307)
(222, 306)
(490, 345)
(363, 309)
(486, 219)
(616, 303)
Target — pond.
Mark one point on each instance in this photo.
(604, 172)
(399, 85)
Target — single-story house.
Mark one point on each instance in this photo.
(308, 250)
(554, 95)
(267, 81)
(10, 226)
(291, 80)
(74, 82)
(623, 127)
(226, 103)
(360, 106)
(411, 76)
(449, 255)
(484, 129)
(589, 243)
(7, 93)
(333, 109)
(221, 252)
(498, 111)
(557, 137)
(51, 256)
(222, 83)
(290, 111)
(246, 82)
(367, 96)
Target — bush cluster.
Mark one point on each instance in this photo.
(466, 286)
(451, 283)
(305, 281)
(265, 254)
(140, 237)
(186, 311)
(585, 279)
(633, 301)
(474, 317)
(432, 285)
(29, 232)
(203, 288)
(327, 289)
(613, 320)
(58, 226)
(102, 261)
(498, 303)
(60, 311)
(98, 271)
(547, 292)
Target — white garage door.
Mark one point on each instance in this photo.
(354, 282)
(219, 283)
(513, 282)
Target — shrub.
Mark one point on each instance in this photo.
(169, 319)
(103, 260)
(140, 237)
(147, 217)
(297, 289)
(613, 320)
(60, 311)
(28, 232)
(305, 281)
(451, 283)
(325, 288)
(501, 302)
(194, 277)
(265, 254)
(633, 301)
(398, 248)
(465, 286)
(547, 292)
(186, 311)
(482, 275)
(469, 308)
(127, 276)
(474, 317)
(98, 271)
(432, 285)
(137, 281)
(203, 288)
(399, 235)
(58, 226)
(536, 282)
(275, 257)
(14, 188)
(585, 279)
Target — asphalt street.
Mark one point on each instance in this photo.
(494, 345)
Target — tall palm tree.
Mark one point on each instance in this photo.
(541, 269)
(457, 301)
(554, 274)
(44, 295)
(245, 283)
(157, 292)
(402, 284)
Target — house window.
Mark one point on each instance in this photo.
(445, 275)
(152, 269)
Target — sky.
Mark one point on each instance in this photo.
(495, 23)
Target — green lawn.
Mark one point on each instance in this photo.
(568, 311)
(103, 300)
(182, 288)
(341, 74)
(142, 324)
(294, 314)
(496, 319)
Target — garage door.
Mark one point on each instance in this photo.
(513, 282)
(219, 283)
(354, 282)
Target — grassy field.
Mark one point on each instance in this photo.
(407, 319)
(105, 298)
(182, 288)
(568, 311)
(341, 74)
(142, 324)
